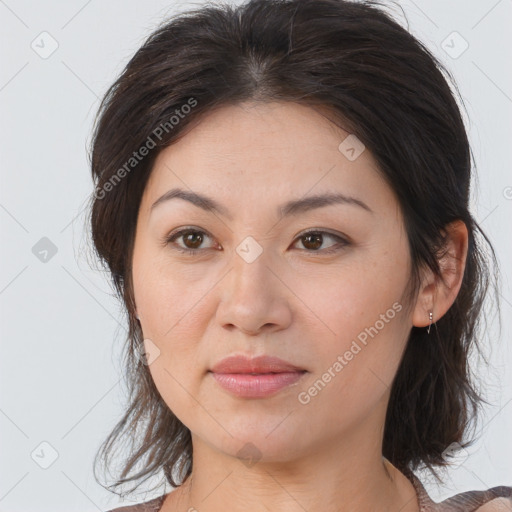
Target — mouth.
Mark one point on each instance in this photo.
(256, 377)
(257, 385)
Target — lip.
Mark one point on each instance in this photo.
(256, 377)
(259, 364)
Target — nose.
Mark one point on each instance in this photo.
(254, 298)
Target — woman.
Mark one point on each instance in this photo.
(282, 201)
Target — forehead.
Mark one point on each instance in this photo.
(273, 151)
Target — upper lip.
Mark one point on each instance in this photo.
(259, 364)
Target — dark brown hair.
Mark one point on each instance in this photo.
(352, 60)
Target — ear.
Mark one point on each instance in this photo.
(434, 295)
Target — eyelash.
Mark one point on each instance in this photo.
(335, 248)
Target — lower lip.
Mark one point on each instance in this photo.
(256, 386)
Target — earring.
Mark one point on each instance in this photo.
(430, 317)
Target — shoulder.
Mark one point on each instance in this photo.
(497, 505)
(153, 505)
(495, 499)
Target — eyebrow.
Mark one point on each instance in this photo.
(292, 207)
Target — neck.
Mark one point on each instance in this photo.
(339, 480)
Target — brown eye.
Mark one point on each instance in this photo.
(313, 240)
(191, 240)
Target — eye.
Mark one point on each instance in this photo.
(312, 241)
(192, 238)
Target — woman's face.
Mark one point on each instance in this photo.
(256, 284)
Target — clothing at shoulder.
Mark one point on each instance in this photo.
(153, 505)
(495, 499)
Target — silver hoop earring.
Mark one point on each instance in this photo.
(430, 317)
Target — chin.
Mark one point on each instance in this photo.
(252, 443)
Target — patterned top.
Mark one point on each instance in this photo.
(468, 501)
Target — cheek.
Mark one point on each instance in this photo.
(174, 310)
(363, 326)
(355, 370)
(180, 366)
(344, 301)
(174, 384)
(167, 295)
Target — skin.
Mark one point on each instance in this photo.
(303, 306)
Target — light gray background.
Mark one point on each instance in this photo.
(62, 328)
